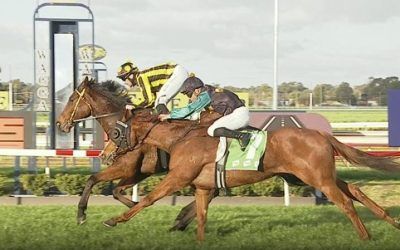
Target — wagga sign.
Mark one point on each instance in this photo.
(86, 52)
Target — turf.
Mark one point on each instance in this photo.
(250, 227)
(354, 115)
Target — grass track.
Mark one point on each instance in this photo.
(354, 115)
(324, 227)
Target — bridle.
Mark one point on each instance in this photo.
(82, 97)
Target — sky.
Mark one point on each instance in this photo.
(227, 42)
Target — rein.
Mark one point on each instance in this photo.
(140, 141)
(138, 144)
(190, 128)
(96, 117)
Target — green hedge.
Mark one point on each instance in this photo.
(73, 184)
(70, 183)
(37, 184)
(3, 181)
(42, 184)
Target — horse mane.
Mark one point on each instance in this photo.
(114, 91)
(145, 115)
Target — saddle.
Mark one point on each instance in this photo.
(231, 157)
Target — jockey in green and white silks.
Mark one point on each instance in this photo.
(224, 102)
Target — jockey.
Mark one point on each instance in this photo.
(166, 79)
(224, 102)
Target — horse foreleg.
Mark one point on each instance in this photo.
(187, 214)
(202, 200)
(355, 193)
(107, 174)
(170, 184)
(123, 185)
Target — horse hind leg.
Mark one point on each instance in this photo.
(188, 213)
(202, 201)
(355, 193)
(345, 203)
(328, 186)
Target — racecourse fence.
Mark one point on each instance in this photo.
(51, 162)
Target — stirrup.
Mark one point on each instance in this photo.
(244, 140)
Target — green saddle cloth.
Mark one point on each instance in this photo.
(249, 159)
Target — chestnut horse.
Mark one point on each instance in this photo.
(102, 101)
(307, 154)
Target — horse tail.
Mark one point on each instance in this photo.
(361, 158)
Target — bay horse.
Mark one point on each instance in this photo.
(307, 154)
(103, 102)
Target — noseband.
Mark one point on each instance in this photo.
(81, 97)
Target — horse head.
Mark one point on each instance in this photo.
(90, 99)
(77, 107)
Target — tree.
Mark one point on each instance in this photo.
(344, 93)
(376, 88)
(290, 92)
(323, 92)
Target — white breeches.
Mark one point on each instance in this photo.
(172, 86)
(239, 118)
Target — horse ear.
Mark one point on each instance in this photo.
(86, 80)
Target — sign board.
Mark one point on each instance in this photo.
(16, 129)
(86, 52)
(42, 87)
(394, 117)
(4, 100)
(244, 96)
(11, 132)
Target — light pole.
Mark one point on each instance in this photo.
(321, 94)
(275, 87)
(10, 93)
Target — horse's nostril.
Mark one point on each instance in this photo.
(58, 124)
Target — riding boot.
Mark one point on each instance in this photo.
(162, 109)
(243, 138)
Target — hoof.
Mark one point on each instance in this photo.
(173, 229)
(397, 221)
(177, 227)
(81, 220)
(110, 223)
